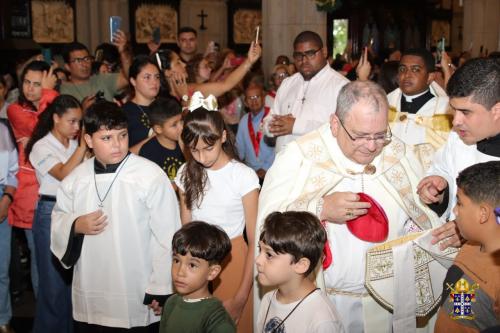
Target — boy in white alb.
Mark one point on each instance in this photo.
(291, 244)
(127, 212)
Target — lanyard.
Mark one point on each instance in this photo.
(253, 136)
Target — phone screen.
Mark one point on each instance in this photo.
(47, 55)
(156, 35)
(115, 23)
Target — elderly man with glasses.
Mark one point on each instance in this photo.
(350, 169)
(305, 100)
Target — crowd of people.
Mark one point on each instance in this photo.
(179, 191)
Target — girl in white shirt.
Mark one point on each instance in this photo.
(54, 153)
(215, 187)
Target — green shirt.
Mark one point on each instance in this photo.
(100, 82)
(206, 316)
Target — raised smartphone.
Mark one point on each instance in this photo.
(156, 35)
(115, 23)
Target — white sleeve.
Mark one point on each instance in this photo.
(329, 327)
(443, 166)
(165, 221)
(63, 217)
(43, 158)
(12, 168)
(178, 181)
(248, 179)
(303, 125)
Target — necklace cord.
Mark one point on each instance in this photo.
(289, 313)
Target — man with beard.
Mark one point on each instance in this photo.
(474, 91)
(305, 100)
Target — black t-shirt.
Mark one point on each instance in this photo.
(138, 122)
(169, 160)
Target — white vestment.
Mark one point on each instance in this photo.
(314, 166)
(427, 130)
(452, 158)
(310, 102)
(132, 256)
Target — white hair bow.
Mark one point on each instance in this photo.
(197, 101)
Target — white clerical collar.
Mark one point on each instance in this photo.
(410, 98)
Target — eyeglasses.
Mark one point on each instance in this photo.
(81, 60)
(280, 75)
(378, 139)
(253, 98)
(299, 56)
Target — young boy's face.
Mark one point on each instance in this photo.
(110, 145)
(274, 269)
(191, 275)
(467, 215)
(171, 128)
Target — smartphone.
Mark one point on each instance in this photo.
(440, 48)
(115, 23)
(156, 35)
(98, 55)
(47, 55)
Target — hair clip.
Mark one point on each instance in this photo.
(497, 214)
(198, 101)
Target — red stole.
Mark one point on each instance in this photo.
(255, 137)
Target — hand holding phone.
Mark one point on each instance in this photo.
(115, 23)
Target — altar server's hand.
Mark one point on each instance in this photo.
(448, 231)
(155, 306)
(281, 125)
(430, 189)
(91, 224)
(340, 207)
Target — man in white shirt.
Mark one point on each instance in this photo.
(305, 100)
(474, 91)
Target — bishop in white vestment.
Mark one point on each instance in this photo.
(322, 171)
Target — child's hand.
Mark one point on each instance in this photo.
(155, 306)
(91, 224)
(234, 308)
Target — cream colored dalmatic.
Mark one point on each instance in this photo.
(314, 166)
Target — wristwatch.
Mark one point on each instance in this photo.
(185, 98)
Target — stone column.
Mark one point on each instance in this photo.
(481, 25)
(282, 21)
(215, 22)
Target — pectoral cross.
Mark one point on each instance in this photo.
(202, 15)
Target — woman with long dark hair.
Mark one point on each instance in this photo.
(35, 93)
(144, 78)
